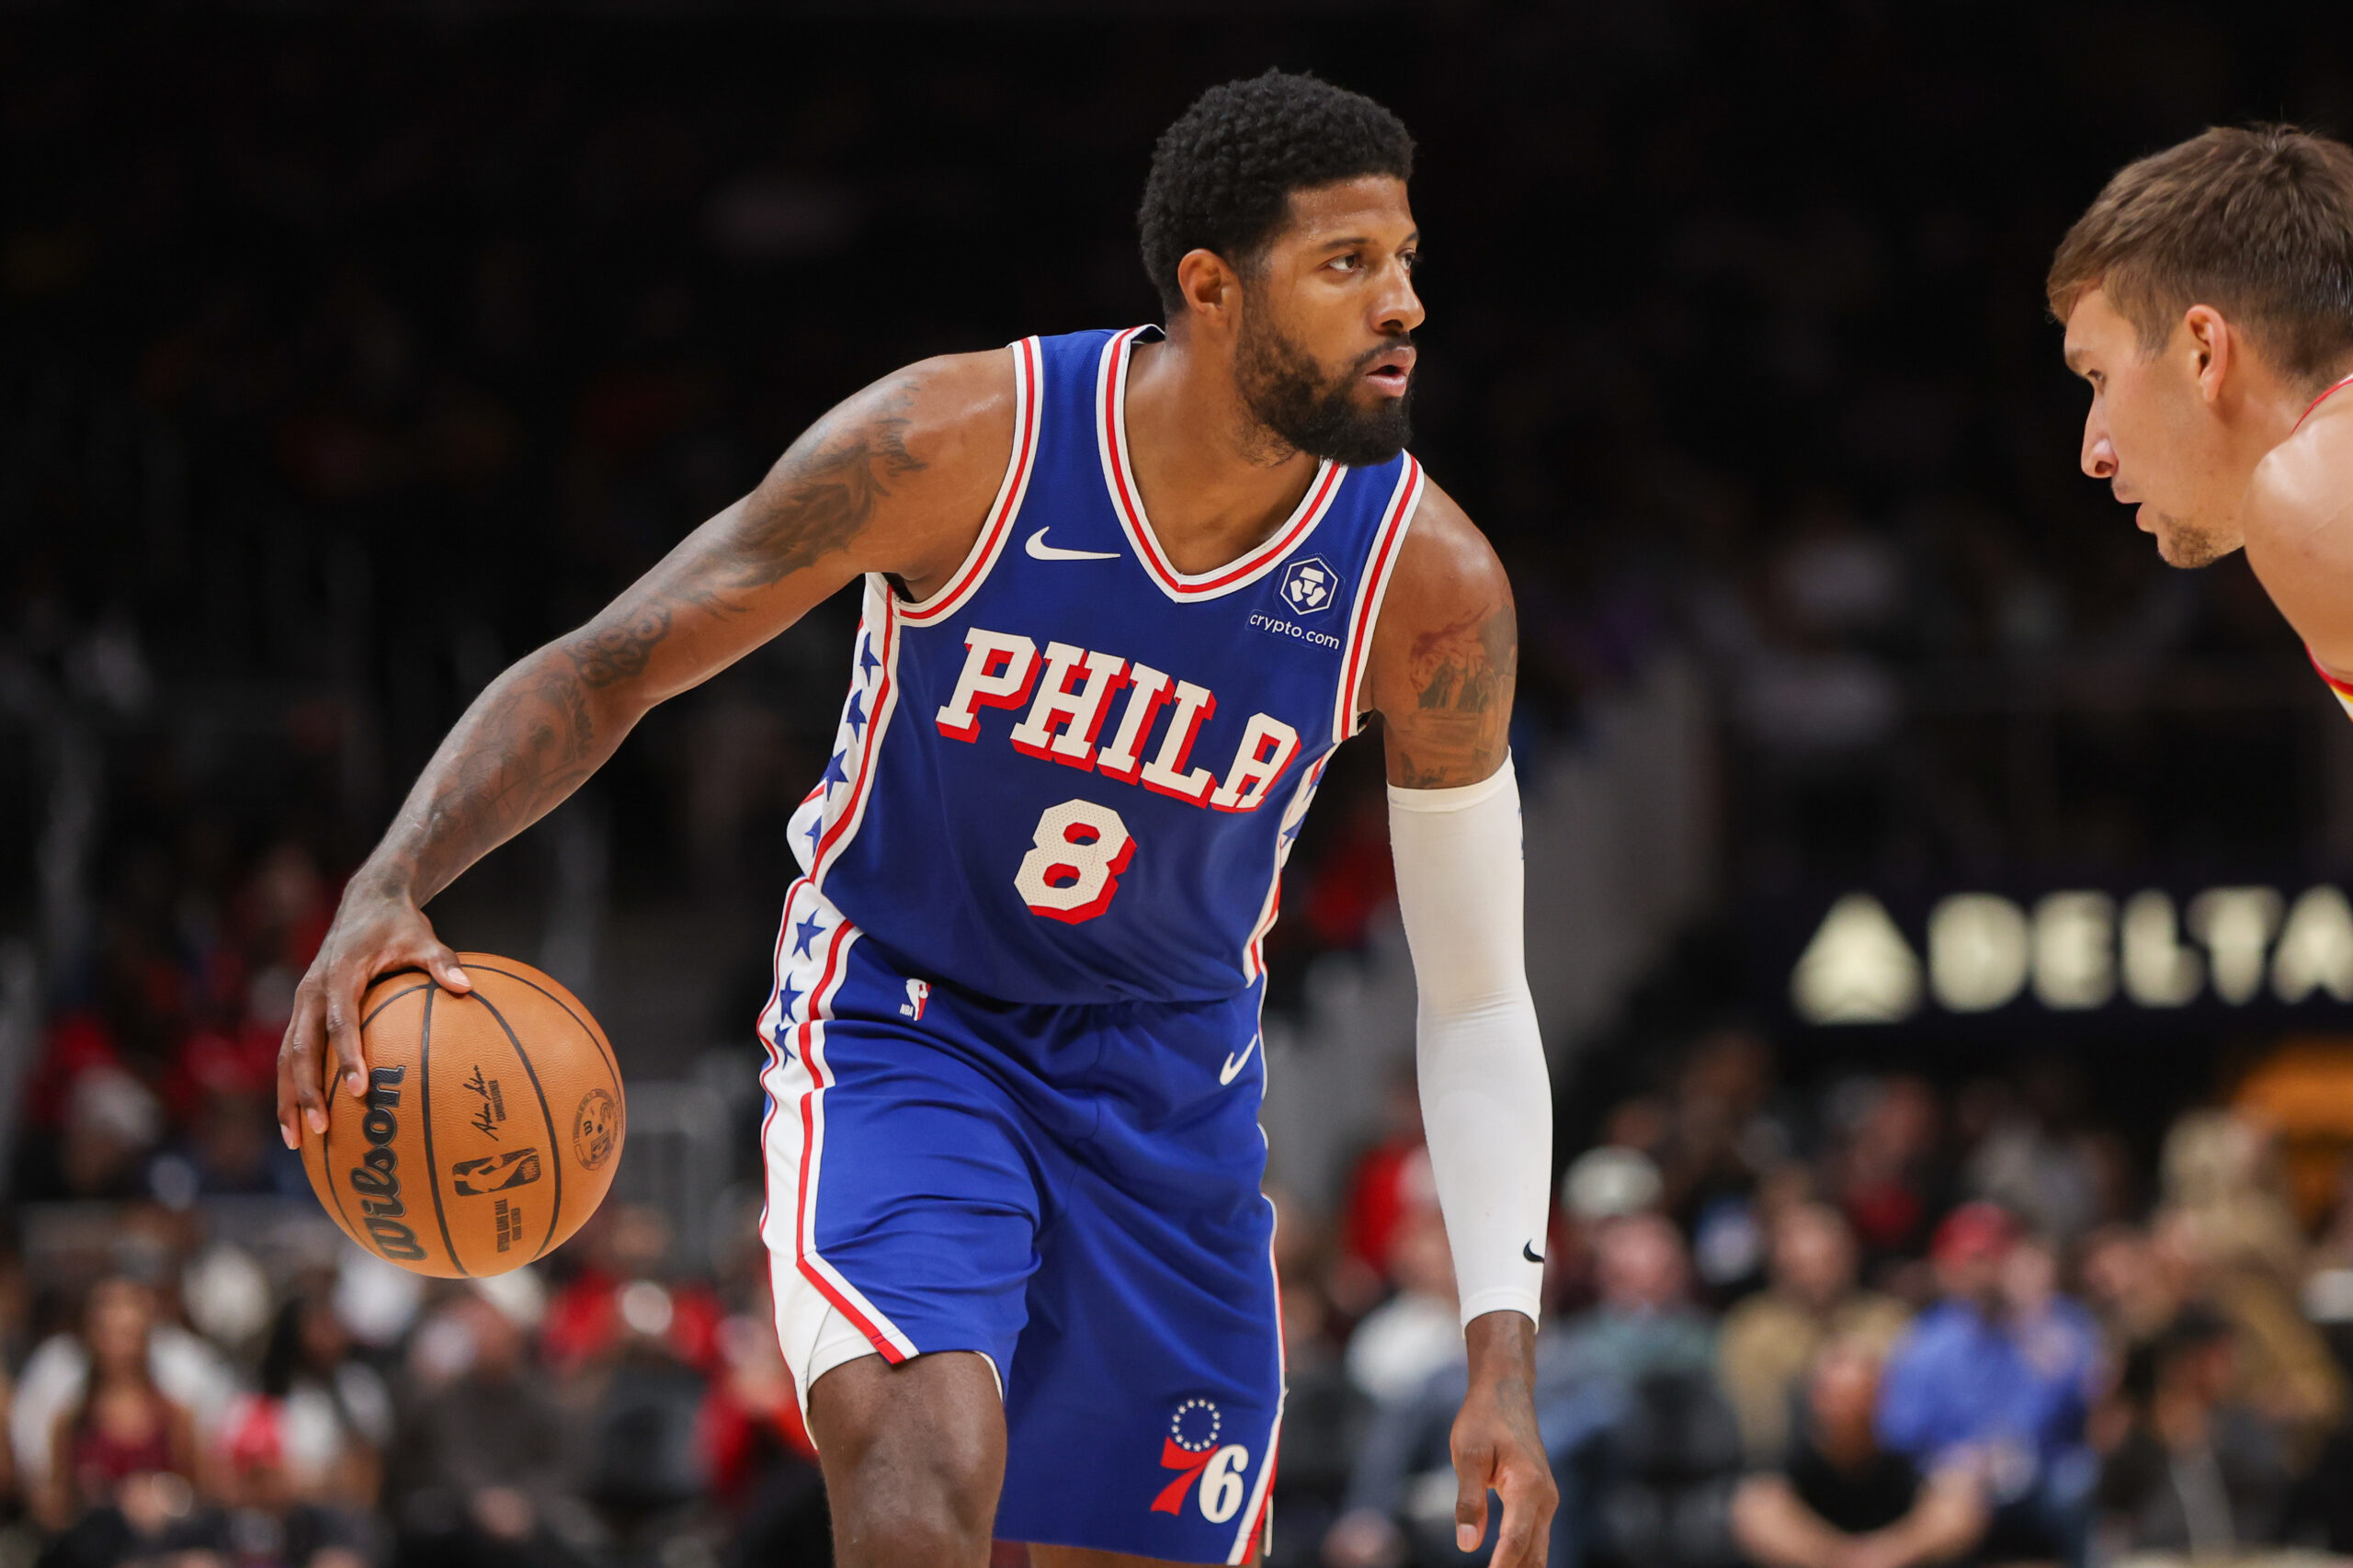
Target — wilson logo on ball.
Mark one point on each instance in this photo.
(376, 1179)
(496, 1172)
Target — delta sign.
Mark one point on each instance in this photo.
(2079, 950)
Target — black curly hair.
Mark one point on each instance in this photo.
(1223, 174)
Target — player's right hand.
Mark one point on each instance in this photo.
(375, 933)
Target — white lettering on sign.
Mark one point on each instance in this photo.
(2159, 971)
(2315, 948)
(2076, 951)
(1857, 968)
(1977, 951)
(2235, 924)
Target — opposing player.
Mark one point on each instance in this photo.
(2208, 297)
(1124, 592)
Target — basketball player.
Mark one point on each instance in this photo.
(1124, 592)
(2208, 297)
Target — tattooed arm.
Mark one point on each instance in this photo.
(1444, 654)
(1443, 657)
(895, 480)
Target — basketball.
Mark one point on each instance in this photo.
(491, 1128)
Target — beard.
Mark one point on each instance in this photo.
(1308, 411)
(2183, 543)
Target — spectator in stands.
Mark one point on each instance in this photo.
(1772, 1337)
(1643, 1321)
(332, 1412)
(268, 1520)
(1837, 1499)
(122, 1456)
(2000, 1382)
(2125, 1287)
(623, 1247)
(1718, 1141)
(2036, 1158)
(1886, 1173)
(188, 1369)
(481, 1470)
(112, 1121)
(2244, 1263)
(1661, 1471)
(1417, 1330)
(2197, 1472)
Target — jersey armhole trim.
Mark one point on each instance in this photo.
(1380, 563)
(981, 558)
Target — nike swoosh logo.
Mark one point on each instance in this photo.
(1041, 550)
(1233, 1063)
(1528, 1250)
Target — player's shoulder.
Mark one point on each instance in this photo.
(2306, 478)
(950, 413)
(1446, 565)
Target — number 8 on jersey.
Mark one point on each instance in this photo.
(1074, 861)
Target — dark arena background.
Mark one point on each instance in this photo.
(1901, 834)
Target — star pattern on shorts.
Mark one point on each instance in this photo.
(866, 663)
(808, 931)
(856, 717)
(834, 772)
(788, 996)
(816, 830)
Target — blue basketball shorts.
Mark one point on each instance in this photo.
(1072, 1192)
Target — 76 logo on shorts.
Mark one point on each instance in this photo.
(1192, 1449)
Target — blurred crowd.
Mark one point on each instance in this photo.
(175, 1402)
(1869, 1323)
(1860, 1320)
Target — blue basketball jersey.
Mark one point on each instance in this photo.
(1073, 774)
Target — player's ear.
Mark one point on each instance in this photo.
(2212, 345)
(1212, 289)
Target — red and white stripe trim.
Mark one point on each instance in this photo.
(1381, 561)
(793, 1134)
(882, 609)
(1255, 1516)
(1254, 954)
(2315, 403)
(981, 558)
(1127, 500)
(2342, 688)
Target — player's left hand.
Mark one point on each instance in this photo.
(1496, 1447)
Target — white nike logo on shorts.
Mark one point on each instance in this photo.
(1040, 549)
(1233, 1063)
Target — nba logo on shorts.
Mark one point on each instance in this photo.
(918, 992)
(1310, 586)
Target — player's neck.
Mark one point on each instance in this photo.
(2270, 408)
(1212, 487)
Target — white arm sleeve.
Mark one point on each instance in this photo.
(1486, 1099)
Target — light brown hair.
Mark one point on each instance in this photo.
(2256, 222)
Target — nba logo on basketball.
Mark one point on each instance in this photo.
(918, 992)
(1310, 586)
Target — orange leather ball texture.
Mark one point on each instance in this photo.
(491, 1128)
